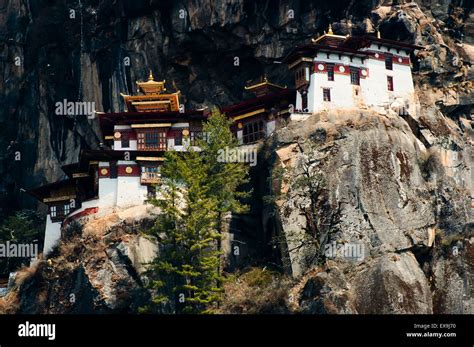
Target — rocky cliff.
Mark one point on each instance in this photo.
(399, 184)
(363, 180)
(93, 50)
(99, 267)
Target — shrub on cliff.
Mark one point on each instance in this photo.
(257, 291)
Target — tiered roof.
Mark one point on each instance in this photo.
(152, 99)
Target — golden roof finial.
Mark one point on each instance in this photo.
(378, 34)
(150, 76)
(330, 30)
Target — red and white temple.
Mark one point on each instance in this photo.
(332, 72)
(127, 173)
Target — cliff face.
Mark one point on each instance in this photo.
(99, 267)
(399, 185)
(93, 50)
(364, 180)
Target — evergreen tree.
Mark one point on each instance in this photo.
(24, 226)
(196, 189)
(224, 178)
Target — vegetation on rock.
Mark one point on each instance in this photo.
(196, 191)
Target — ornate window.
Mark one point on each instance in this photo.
(152, 139)
(150, 174)
(302, 76)
(195, 136)
(253, 131)
(53, 211)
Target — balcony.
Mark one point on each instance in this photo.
(150, 178)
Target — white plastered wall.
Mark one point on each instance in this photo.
(130, 192)
(52, 235)
(107, 190)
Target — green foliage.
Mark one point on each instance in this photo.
(195, 192)
(25, 226)
(257, 277)
(224, 178)
(257, 291)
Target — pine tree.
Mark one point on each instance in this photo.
(196, 189)
(185, 273)
(224, 178)
(24, 226)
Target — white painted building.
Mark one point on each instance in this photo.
(340, 72)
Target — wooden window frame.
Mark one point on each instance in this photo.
(125, 140)
(253, 131)
(390, 85)
(327, 94)
(58, 212)
(355, 76)
(159, 137)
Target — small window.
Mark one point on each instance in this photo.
(390, 83)
(58, 212)
(388, 62)
(125, 138)
(66, 209)
(178, 140)
(195, 137)
(355, 78)
(330, 68)
(326, 94)
(151, 191)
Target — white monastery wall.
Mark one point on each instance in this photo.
(52, 235)
(373, 89)
(130, 192)
(107, 189)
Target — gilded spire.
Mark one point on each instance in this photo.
(330, 32)
(150, 76)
